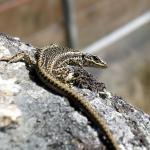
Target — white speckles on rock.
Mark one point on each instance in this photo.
(17, 66)
(4, 51)
(9, 113)
(35, 94)
(79, 118)
(24, 47)
(9, 87)
(17, 38)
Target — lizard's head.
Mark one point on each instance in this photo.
(93, 61)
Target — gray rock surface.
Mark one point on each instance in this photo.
(32, 117)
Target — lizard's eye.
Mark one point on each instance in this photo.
(95, 58)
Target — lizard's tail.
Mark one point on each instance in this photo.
(76, 98)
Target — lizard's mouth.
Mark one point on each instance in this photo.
(101, 65)
(104, 65)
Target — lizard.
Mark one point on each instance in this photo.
(53, 59)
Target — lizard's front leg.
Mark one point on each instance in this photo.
(64, 74)
(21, 56)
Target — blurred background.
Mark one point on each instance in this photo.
(116, 30)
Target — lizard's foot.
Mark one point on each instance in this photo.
(21, 56)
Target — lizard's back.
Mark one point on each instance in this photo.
(50, 53)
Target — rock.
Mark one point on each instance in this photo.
(32, 117)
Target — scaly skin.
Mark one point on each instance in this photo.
(58, 59)
(42, 65)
